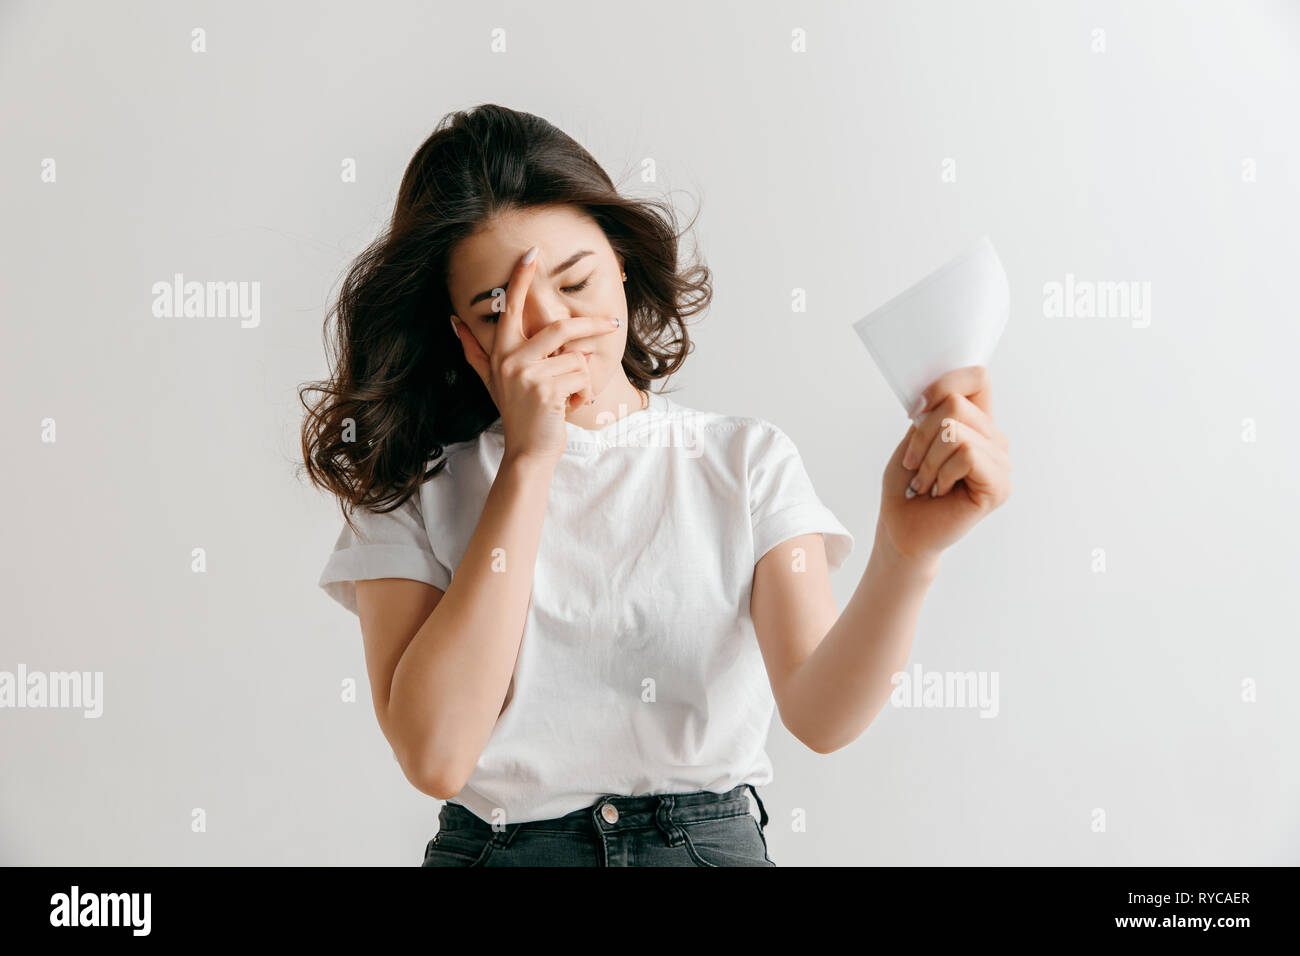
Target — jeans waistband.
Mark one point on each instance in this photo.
(629, 812)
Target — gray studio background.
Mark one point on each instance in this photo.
(1169, 157)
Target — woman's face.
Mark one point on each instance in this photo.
(577, 273)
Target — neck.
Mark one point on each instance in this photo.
(618, 399)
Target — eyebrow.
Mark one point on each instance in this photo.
(554, 272)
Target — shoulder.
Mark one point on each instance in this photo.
(743, 439)
(452, 478)
(454, 457)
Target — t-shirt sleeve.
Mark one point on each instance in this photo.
(783, 503)
(391, 545)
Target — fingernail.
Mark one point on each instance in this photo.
(617, 321)
(915, 484)
(909, 492)
(909, 460)
(934, 490)
(453, 327)
(530, 255)
(917, 407)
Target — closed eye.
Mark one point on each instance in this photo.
(491, 317)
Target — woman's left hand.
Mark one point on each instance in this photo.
(956, 459)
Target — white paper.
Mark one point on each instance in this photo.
(952, 318)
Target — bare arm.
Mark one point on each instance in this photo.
(830, 674)
(440, 663)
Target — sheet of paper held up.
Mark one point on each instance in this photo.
(950, 319)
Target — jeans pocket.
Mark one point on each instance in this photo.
(458, 848)
(762, 836)
(730, 841)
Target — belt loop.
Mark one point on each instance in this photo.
(664, 819)
(503, 836)
(762, 810)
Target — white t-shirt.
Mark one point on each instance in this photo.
(639, 671)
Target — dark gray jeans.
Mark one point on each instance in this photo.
(700, 828)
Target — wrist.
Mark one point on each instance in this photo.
(528, 467)
(922, 567)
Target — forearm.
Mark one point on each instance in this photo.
(451, 682)
(841, 687)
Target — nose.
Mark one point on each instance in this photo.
(541, 308)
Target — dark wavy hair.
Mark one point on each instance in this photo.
(400, 389)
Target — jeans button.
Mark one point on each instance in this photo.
(610, 813)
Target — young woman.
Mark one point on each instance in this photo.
(581, 601)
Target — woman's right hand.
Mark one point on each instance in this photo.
(532, 392)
